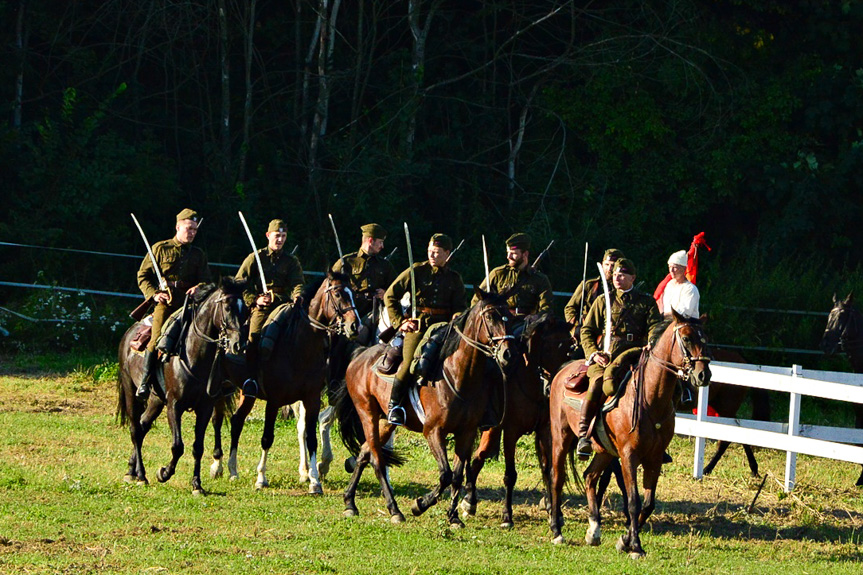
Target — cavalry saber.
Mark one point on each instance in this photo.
(336, 235)
(163, 285)
(485, 262)
(413, 278)
(583, 279)
(255, 251)
(452, 253)
(606, 340)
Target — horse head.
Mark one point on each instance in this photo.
(230, 314)
(488, 324)
(547, 342)
(691, 355)
(841, 325)
(333, 305)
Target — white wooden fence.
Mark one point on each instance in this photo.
(791, 437)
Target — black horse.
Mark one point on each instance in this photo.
(214, 329)
(845, 330)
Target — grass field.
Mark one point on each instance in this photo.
(65, 509)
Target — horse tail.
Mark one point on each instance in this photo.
(573, 469)
(121, 416)
(350, 427)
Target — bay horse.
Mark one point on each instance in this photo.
(637, 431)
(214, 330)
(845, 331)
(452, 402)
(296, 371)
(545, 345)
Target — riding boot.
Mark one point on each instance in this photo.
(589, 407)
(491, 416)
(396, 413)
(143, 391)
(250, 386)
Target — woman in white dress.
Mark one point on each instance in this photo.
(680, 294)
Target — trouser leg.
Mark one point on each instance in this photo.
(256, 324)
(402, 380)
(589, 407)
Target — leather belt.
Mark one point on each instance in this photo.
(435, 310)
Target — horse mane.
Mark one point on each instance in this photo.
(232, 286)
(311, 289)
(203, 292)
(535, 321)
(453, 339)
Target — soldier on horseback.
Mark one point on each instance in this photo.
(587, 292)
(635, 322)
(439, 295)
(284, 282)
(183, 268)
(371, 274)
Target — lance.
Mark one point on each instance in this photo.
(255, 252)
(392, 253)
(294, 251)
(606, 340)
(485, 262)
(336, 235)
(163, 285)
(413, 278)
(583, 288)
(542, 255)
(452, 253)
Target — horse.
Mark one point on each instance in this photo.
(546, 344)
(214, 329)
(296, 371)
(637, 431)
(845, 330)
(452, 402)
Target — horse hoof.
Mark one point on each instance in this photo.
(559, 540)
(543, 503)
(130, 478)
(621, 545)
(233, 477)
(216, 470)
(323, 469)
(467, 509)
(506, 525)
(163, 476)
(456, 523)
(198, 492)
(304, 477)
(416, 508)
(142, 482)
(350, 464)
(637, 554)
(259, 485)
(397, 519)
(350, 513)
(316, 489)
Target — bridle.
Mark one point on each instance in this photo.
(684, 371)
(223, 340)
(495, 349)
(337, 325)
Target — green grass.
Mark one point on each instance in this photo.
(65, 509)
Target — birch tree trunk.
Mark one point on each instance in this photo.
(20, 43)
(420, 35)
(225, 112)
(247, 104)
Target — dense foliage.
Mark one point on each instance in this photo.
(632, 123)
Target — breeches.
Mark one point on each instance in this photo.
(256, 322)
(160, 313)
(603, 380)
(412, 341)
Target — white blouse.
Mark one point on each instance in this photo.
(683, 298)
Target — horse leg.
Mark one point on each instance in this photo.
(461, 453)
(630, 542)
(267, 437)
(720, 451)
(325, 422)
(300, 410)
(216, 468)
(202, 420)
(311, 443)
(858, 423)
(593, 490)
(510, 475)
(486, 445)
(135, 472)
(362, 460)
(437, 444)
(238, 420)
(649, 479)
(561, 444)
(175, 420)
(542, 446)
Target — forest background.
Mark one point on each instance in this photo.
(631, 124)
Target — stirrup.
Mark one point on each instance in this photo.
(584, 449)
(250, 388)
(396, 415)
(143, 392)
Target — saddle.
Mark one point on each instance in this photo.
(142, 335)
(278, 323)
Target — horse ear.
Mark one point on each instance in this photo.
(479, 293)
(704, 317)
(677, 317)
(850, 297)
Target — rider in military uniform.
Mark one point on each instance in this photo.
(184, 268)
(370, 273)
(635, 322)
(439, 296)
(284, 276)
(590, 290)
(533, 293)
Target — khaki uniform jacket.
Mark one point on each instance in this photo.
(438, 289)
(283, 273)
(182, 266)
(368, 274)
(533, 295)
(592, 289)
(635, 321)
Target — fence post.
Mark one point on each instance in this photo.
(698, 463)
(793, 430)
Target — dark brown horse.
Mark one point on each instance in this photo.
(296, 371)
(544, 347)
(453, 403)
(214, 330)
(637, 431)
(845, 331)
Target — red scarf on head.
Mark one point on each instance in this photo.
(691, 267)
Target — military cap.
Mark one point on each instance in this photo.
(519, 241)
(188, 214)
(442, 241)
(277, 226)
(375, 231)
(624, 265)
(612, 255)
